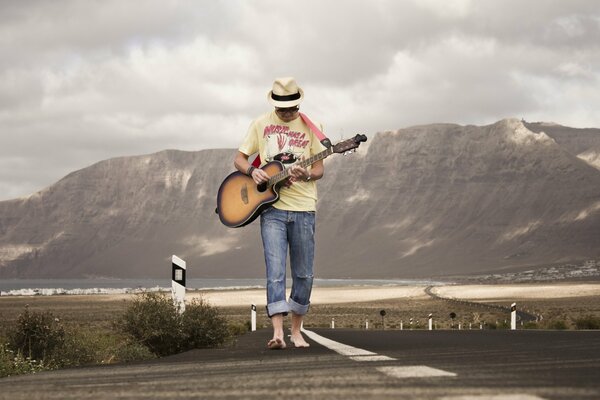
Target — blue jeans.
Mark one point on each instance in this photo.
(280, 231)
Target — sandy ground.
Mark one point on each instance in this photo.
(518, 291)
(337, 295)
(363, 294)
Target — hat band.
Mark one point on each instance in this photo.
(289, 97)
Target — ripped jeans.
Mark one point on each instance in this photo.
(295, 230)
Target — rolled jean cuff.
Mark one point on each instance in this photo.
(298, 308)
(279, 307)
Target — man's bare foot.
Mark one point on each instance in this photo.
(276, 344)
(299, 341)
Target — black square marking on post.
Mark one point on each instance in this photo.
(178, 274)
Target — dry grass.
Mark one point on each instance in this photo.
(90, 312)
(354, 315)
(99, 311)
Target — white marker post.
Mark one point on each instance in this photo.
(253, 318)
(430, 318)
(332, 323)
(178, 282)
(366, 324)
(513, 316)
(401, 325)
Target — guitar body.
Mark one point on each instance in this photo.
(240, 201)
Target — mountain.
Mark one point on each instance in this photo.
(584, 143)
(426, 201)
(446, 199)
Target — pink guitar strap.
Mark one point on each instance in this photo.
(316, 131)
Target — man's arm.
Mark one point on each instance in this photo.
(241, 164)
(317, 170)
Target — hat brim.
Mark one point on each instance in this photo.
(285, 104)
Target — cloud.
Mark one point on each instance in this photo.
(81, 81)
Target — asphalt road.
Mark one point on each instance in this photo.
(447, 365)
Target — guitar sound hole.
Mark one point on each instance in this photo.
(262, 187)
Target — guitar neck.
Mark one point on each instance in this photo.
(275, 179)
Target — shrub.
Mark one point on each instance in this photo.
(503, 325)
(203, 326)
(37, 335)
(12, 363)
(153, 320)
(131, 351)
(530, 325)
(558, 325)
(587, 322)
(38, 341)
(77, 349)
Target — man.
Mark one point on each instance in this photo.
(290, 223)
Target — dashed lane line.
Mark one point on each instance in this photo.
(409, 371)
(357, 354)
(516, 396)
(414, 371)
(354, 353)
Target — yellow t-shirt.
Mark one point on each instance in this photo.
(275, 139)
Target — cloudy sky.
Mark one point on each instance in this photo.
(82, 81)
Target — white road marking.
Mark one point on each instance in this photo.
(414, 371)
(353, 352)
(494, 397)
(375, 357)
(356, 354)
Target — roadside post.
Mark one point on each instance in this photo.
(452, 316)
(178, 267)
(401, 325)
(366, 324)
(513, 316)
(332, 323)
(253, 318)
(430, 318)
(382, 313)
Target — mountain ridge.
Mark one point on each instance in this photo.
(424, 201)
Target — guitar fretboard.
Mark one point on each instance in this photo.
(275, 179)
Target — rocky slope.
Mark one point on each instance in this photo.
(424, 201)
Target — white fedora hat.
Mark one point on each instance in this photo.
(285, 93)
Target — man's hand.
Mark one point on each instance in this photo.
(259, 176)
(297, 173)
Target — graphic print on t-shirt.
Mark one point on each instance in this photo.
(284, 144)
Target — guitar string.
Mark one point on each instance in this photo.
(285, 173)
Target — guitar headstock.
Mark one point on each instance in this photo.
(349, 144)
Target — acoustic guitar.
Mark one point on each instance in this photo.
(240, 200)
